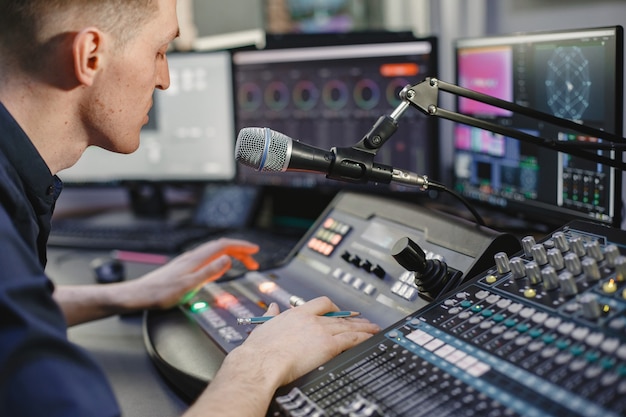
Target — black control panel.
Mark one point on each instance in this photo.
(380, 257)
(540, 333)
(371, 255)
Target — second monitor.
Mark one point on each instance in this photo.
(330, 95)
(571, 74)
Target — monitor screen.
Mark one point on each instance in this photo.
(190, 135)
(573, 74)
(330, 94)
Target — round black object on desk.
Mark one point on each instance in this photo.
(108, 270)
(184, 355)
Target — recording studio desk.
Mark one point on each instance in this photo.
(117, 343)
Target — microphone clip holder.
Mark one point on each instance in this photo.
(358, 166)
(356, 163)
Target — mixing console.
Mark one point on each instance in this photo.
(380, 257)
(540, 333)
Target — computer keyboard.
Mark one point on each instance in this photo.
(163, 238)
(74, 233)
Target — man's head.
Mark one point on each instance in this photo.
(98, 61)
(27, 26)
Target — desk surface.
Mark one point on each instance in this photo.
(117, 343)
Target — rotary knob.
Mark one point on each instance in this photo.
(555, 259)
(591, 270)
(572, 263)
(611, 253)
(590, 306)
(560, 241)
(533, 272)
(517, 268)
(594, 250)
(539, 254)
(550, 279)
(577, 246)
(527, 243)
(502, 262)
(567, 282)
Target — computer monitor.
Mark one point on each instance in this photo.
(189, 138)
(327, 90)
(572, 74)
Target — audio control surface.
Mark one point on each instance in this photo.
(346, 255)
(541, 333)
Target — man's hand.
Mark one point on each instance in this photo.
(165, 287)
(277, 352)
(177, 281)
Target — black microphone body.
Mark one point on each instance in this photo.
(308, 158)
(266, 150)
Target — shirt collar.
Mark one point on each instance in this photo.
(42, 187)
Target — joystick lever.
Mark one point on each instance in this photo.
(432, 276)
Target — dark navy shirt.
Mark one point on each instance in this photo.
(41, 372)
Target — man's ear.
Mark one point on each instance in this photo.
(87, 53)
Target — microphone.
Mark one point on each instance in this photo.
(268, 151)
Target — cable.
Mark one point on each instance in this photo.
(459, 197)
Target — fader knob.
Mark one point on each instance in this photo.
(590, 306)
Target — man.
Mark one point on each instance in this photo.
(79, 73)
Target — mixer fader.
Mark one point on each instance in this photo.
(542, 332)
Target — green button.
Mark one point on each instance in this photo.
(487, 313)
(199, 306)
(607, 363)
(522, 327)
(476, 308)
(562, 344)
(621, 370)
(498, 318)
(548, 338)
(466, 303)
(577, 350)
(510, 322)
(592, 356)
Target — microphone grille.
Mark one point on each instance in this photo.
(263, 149)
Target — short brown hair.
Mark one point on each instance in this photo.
(23, 23)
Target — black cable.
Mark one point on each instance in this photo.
(459, 197)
